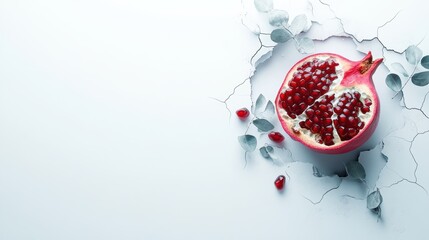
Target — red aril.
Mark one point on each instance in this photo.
(276, 137)
(329, 103)
(242, 113)
(280, 182)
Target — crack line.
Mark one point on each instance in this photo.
(323, 196)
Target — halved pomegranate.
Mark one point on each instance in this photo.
(329, 103)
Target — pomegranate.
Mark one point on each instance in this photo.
(329, 103)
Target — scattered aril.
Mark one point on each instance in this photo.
(280, 182)
(242, 113)
(276, 137)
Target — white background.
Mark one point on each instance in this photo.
(108, 130)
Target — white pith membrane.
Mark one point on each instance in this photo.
(334, 89)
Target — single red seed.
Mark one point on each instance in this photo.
(280, 182)
(342, 118)
(315, 128)
(327, 121)
(328, 113)
(316, 119)
(329, 129)
(242, 113)
(309, 112)
(368, 102)
(337, 110)
(328, 137)
(352, 132)
(297, 98)
(308, 123)
(341, 131)
(276, 137)
(365, 109)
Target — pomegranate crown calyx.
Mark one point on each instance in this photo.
(367, 65)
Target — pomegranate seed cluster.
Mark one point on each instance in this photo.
(348, 124)
(319, 120)
(311, 80)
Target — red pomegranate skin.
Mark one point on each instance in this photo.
(357, 75)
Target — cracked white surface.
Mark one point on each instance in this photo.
(109, 129)
(367, 34)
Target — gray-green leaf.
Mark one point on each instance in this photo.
(374, 200)
(263, 125)
(305, 45)
(393, 81)
(425, 62)
(278, 18)
(413, 54)
(247, 142)
(298, 24)
(420, 79)
(316, 172)
(269, 109)
(260, 102)
(280, 35)
(355, 170)
(264, 152)
(400, 69)
(263, 5)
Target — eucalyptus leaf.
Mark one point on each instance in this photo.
(420, 79)
(263, 5)
(400, 69)
(316, 172)
(298, 24)
(425, 62)
(305, 45)
(355, 170)
(267, 152)
(393, 81)
(377, 211)
(374, 200)
(269, 109)
(264, 152)
(263, 125)
(260, 103)
(247, 142)
(280, 35)
(278, 18)
(413, 54)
